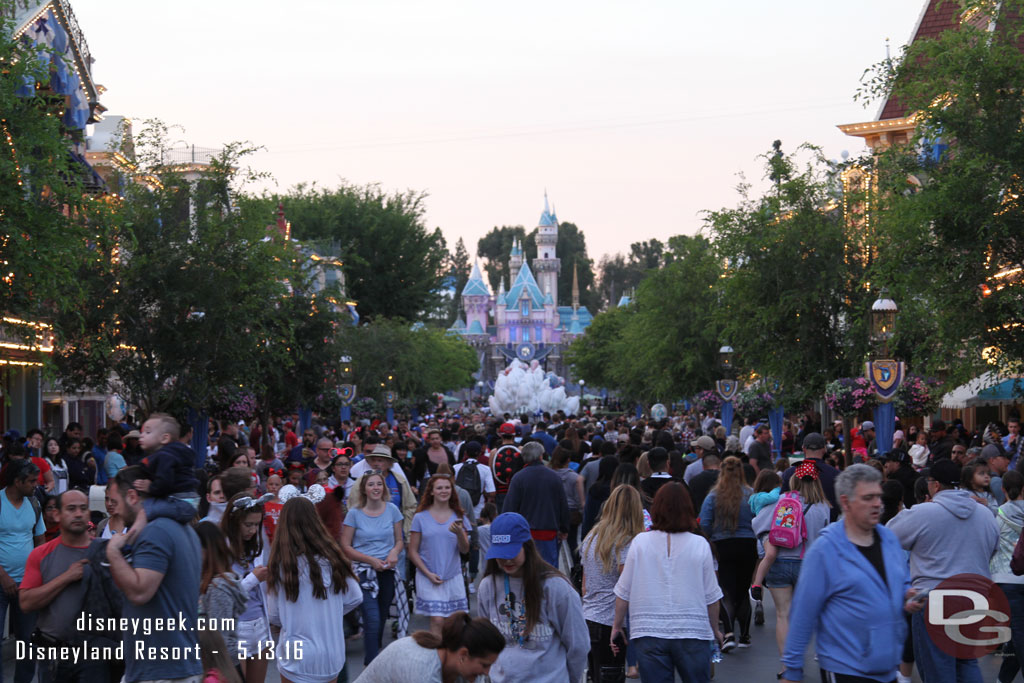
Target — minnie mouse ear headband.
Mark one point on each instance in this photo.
(315, 494)
(271, 472)
(806, 470)
(248, 502)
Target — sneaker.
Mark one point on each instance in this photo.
(757, 593)
(759, 614)
(472, 589)
(745, 641)
(730, 643)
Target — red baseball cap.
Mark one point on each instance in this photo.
(507, 428)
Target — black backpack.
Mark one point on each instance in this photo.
(469, 479)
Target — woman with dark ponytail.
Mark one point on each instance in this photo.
(464, 651)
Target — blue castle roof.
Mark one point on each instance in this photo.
(524, 283)
(475, 328)
(565, 318)
(476, 286)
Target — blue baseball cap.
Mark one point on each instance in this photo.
(509, 531)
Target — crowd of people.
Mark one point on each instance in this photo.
(610, 549)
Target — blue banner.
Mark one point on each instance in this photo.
(390, 417)
(727, 412)
(639, 411)
(775, 419)
(346, 413)
(885, 426)
(305, 419)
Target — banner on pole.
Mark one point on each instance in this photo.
(728, 388)
(885, 377)
(347, 393)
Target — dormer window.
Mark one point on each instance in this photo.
(524, 308)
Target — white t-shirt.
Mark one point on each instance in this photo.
(60, 477)
(746, 433)
(486, 484)
(307, 649)
(660, 605)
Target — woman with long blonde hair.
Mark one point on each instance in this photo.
(603, 554)
(726, 519)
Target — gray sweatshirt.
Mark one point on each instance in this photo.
(952, 534)
(557, 648)
(224, 599)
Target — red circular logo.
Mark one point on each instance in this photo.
(967, 616)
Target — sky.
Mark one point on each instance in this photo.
(635, 117)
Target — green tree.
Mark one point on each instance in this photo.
(952, 238)
(415, 361)
(45, 214)
(793, 302)
(494, 248)
(664, 345)
(459, 269)
(621, 274)
(571, 248)
(176, 285)
(394, 265)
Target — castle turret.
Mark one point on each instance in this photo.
(515, 259)
(547, 263)
(476, 298)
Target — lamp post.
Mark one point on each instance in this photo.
(884, 374)
(727, 386)
(346, 390)
(480, 389)
(582, 384)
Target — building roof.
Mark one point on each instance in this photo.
(475, 328)
(575, 327)
(567, 316)
(624, 301)
(938, 16)
(458, 325)
(476, 286)
(524, 284)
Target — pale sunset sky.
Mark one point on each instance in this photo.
(635, 116)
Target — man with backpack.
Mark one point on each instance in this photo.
(475, 477)
(477, 480)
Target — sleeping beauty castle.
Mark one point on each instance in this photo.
(523, 322)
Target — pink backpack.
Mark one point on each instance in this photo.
(787, 527)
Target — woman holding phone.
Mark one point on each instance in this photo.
(437, 539)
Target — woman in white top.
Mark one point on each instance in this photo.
(464, 651)
(113, 524)
(54, 458)
(439, 535)
(603, 554)
(672, 623)
(310, 586)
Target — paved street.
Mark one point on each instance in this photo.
(757, 663)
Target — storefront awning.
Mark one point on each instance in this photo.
(982, 390)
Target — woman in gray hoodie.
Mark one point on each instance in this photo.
(221, 598)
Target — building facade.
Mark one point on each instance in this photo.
(523, 322)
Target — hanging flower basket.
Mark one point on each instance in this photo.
(917, 396)
(707, 401)
(365, 407)
(756, 403)
(849, 396)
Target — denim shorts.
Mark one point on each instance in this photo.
(783, 573)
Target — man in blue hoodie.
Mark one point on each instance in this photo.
(952, 534)
(853, 589)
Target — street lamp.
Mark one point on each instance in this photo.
(346, 389)
(582, 382)
(884, 374)
(480, 388)
(727, 386)
(883, 321)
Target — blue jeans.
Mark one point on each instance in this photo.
(934, 665)
(548, 550)
(22, 626)
(661, 658)
(1012, 663)
(375, 614)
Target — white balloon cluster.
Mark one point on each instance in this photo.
(522, 388)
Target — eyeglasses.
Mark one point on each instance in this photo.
(324, 449)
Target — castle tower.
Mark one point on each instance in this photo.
(476, 299)
(547, 263)
(515, 259)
